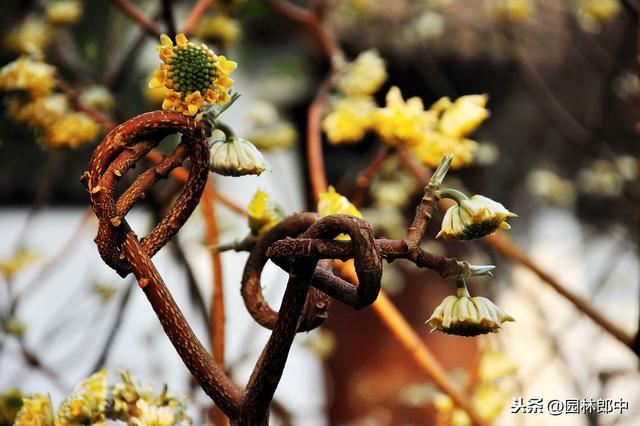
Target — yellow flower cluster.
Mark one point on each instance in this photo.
(593, 14)
(93, 402)
(514, 11)
(34, 103)
(11, 266)
(87, 402)
(350, 118)
(363, 76)
(219, 29)
(193, 75)
(263, 213)
(428, 133)
(29, 75)
(63, 12)
(31, 36)
(331, 202)
(351, 113)
(36, 411)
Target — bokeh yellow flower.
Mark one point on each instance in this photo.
(63, 12)
(349, 119)
(31, 36)
(514, 11)
(9, 267)
(220, 29)
(463, 116)
(29, 75)
(402, 122)
(434, 146)
(87, 402)
(193, 74)
(264, 213)
(36, 411)
(331, 202)
(71, 130)
(363, 76)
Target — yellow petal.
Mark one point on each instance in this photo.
(181, 39)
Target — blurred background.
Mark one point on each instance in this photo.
(560, 149)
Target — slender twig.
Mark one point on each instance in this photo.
(132, 11)
(217, 317)
(364, 178)
(507, 247)
(196, 15)
(314, 139)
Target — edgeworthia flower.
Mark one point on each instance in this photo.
(464, 315)
(36, 410)
(473, 217)
(236, 157)
(264, 213)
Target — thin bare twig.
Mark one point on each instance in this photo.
(132, 11)
(196, 15)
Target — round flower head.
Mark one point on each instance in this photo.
(87, 403)
(63, 12)
(473, 218)
(349, 119)
(236, 157)
(153, 415)
(193, 74)
(332, 202)
(464, 315)
(364, 76)
(29, 75)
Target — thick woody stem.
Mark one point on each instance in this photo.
(202, 366)
(268, 371)
(424, 211)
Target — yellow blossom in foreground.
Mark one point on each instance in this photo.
(433, 146)
(220, 29)
(31, 36)
(349, 119)
(11, 266)
(473, 218)
(363, 76)
(193, 74)
(402, 122)
(510, 10)
(35, 411)
(27, 74)
(464, 315)
(153, 415)
(463, 116)
(331, 202)
(87, 402)
(63, 12)
(263, 213)
(71, 130)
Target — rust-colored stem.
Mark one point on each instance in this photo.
(133, 12)
(196, 15)
(364, 178)
(314, 140)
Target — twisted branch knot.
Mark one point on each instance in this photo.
(324, 284)
(119, 152)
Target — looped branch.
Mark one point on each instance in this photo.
(123, 147)
(368, 263)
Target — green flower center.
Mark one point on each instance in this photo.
(192, 69)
